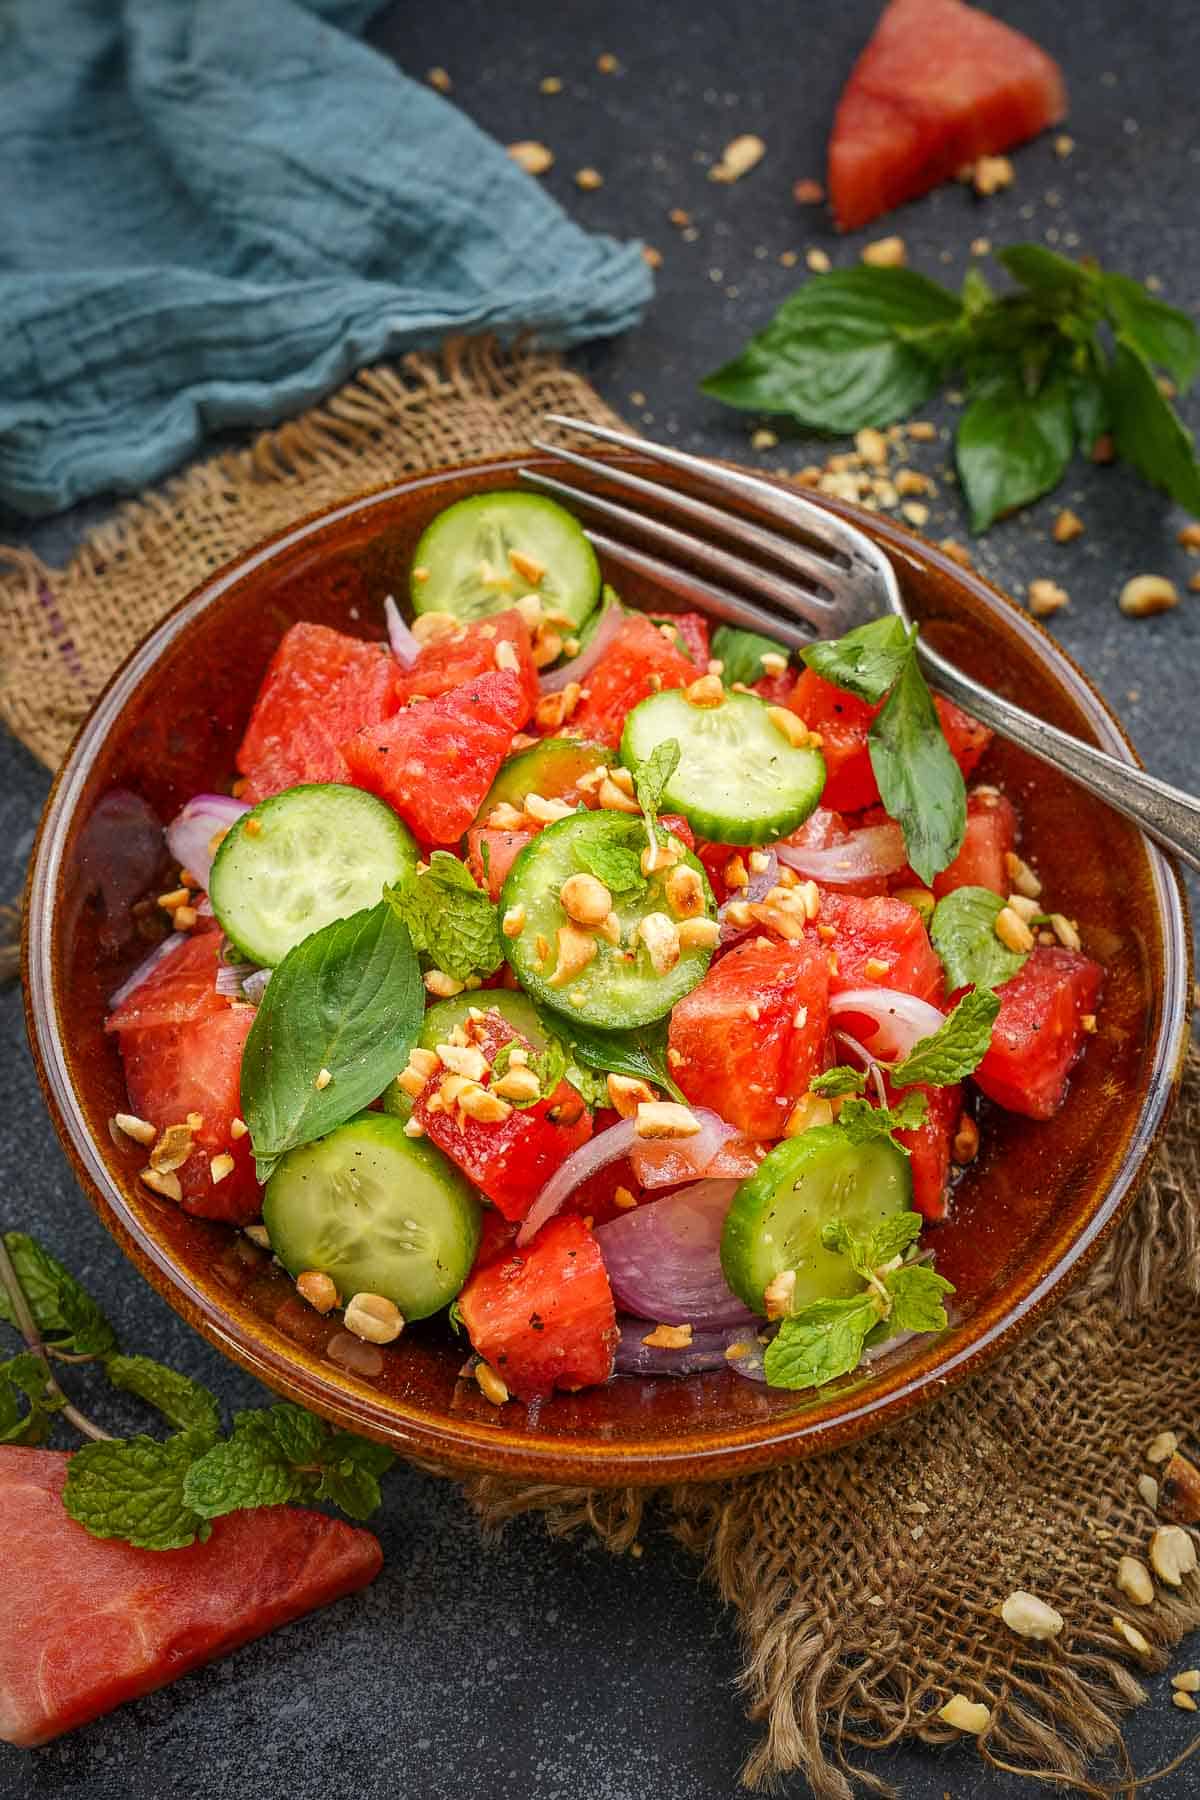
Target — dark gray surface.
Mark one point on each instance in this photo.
(546, 1669)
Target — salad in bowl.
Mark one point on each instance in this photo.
(623, 991)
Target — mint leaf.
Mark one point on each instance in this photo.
(868, 661)
(641, 1053)
(350, 1474)
(1014, 442)
(62, 1310)
(651, 777)
(615, 858)
(855, 347)
(588, 1083)
(836, 1235)
(840, 1080)
(863, 1123)
(26, 1376)
(248, 1469)
(348, 999)
(820, 1342)
(451, 919)
(133, 1488)
(184, 1403)
(920, 783)
(893, 1237)
(963, 932)
(956, 1048)
(741, 654)
(1167, 338)
(917, 1291)
(1147, 430)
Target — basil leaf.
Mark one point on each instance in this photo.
(450, 918)
(348, 999)
(820, 1342)
(741, 654)
(956, 1048)
(1047, 274)
(1167, 339)
(1147, 430)
(1089, 404)
(916, 1292)
(963, 932)
(920, 783)
(641, 1053)
(868, 661)
(1013, 445)
(855, 347)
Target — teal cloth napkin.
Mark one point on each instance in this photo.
(213, 211)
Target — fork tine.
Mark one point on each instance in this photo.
(829, 576)
(866, 562)
(712, 559)
(692, 588)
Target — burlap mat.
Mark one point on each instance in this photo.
(867, 1582)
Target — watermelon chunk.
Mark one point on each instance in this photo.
(544, 1316)
(1039, 1033)
(939, 85)
(320, 688)
(637, 662)
(435, 760)
(90, 1623)
(461, 655)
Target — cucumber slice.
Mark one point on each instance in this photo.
(619, 987)
(739, 780)
(378, 1212)
(806, 1182)
(551, 769)
(464, 558)
(440, 1020)
(298, 861)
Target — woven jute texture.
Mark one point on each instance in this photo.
(866, 1583)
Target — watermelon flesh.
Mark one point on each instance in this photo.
(90, 1623)
(939, 85)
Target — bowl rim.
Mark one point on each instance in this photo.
(460, 1442)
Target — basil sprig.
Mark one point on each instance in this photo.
(1069, 353)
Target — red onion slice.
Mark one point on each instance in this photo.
(581, 666)
(405, 647)
(663, 1162)
(664, 1258)
(606, 1147)
(190, 833)
(255, 986)
(706, 1351)
(147, 965)
(885, 1021)
(866, 855)
(231, 978)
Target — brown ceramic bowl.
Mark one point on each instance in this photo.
(1029, 1214)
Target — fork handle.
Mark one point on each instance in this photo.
(1165, 813)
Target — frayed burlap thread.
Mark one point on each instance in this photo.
(866, 1584)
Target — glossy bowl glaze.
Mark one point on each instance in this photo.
(1028, 1216)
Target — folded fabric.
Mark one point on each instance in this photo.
(214, 213)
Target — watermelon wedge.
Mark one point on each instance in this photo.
(939, 85)
(91, 1622)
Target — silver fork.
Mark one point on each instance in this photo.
(831, 580)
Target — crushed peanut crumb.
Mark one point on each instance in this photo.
(531, 156)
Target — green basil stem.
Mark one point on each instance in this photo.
(33, 1341)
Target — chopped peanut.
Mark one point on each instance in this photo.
(533, 157)
(1012, 930)
(517, 1083)
(624, 1199)
(990, 174)
(527, 565)
(685, 892)
(576, 949)
(163, 1182)
(220, 1166)
(669, 1337)
(490, 1385)
(318, 1289)
(965, 1145)
(506, 818)
(513, 922)
(661, 938)
(441, 985)
(427, 627)
(791, 725)
(738, 158)
(585, 899)
(1147, 595)
(373, 1317)
(1067, 526)
(706, 692)
(735, 873)
(140, 1130)
(463, 1061)
(484, 1107)
(665, 1119)
(1046, 597)
(1065, 931)
(662, 856)
(612, 799)
(323, 1078)
(553, 710)
(699, 934)
(970, 1716)
(626, 1093)
(1021, 875)
(886, 253)
(506, 657)
(779, 1294)
(547, 812)
(810, 1110)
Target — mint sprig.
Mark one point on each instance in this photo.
(160, 1494)
(920, 783)
(450, 918)
(826, 1338)
(962, 929)
(956, 1048)
(1069, 352)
